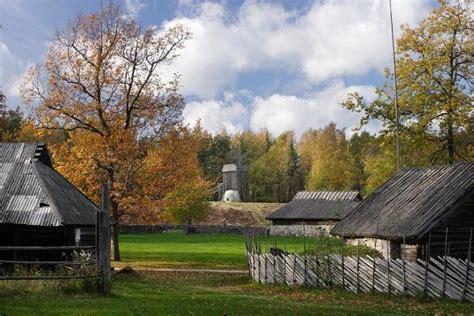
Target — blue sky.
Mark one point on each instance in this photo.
(278, 65)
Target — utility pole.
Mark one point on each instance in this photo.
(397, 118)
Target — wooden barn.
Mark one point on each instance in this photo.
(39, 207)
(431, 209)
(315, 213)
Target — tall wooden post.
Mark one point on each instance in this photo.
(445, 262)
(468, 264)
(404, 268)
(305, 258)
(342, 263)
(427, 263)
(103, 243)
(358, 267)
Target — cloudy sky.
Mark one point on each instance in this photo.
(278, 65)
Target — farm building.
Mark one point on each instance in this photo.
(39, 207)
(416, 205)
(315, 213)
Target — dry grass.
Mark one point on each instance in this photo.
(240, 213)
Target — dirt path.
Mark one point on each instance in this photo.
(141, 269)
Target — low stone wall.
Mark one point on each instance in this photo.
(194, 229)
(300, 230)
(126, 228)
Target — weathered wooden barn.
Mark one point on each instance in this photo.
(38, 206)
(423, 207)
(315, 213)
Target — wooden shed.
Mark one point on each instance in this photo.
(423, 207)
(38, 206)
(314, 212)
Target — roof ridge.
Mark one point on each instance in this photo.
(440, 166)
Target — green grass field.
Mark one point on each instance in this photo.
(214, 294)
(172, 293)
(178, 250)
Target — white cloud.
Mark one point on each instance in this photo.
(133, 7)
(332, 39)
(279, 113)
(12, 69)
(217, 115)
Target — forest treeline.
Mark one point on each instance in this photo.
(273, 168)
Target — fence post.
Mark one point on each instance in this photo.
(468, 263)
(294, 269)
(373, 264)
(304, 244)
(389, 254)
(316, 242)
(342, 263)
(403, 266)
(265, 267)
(358, 263)
(258, 263)
(103, 243)
(329, 262)
(427, 263)
(445, 261)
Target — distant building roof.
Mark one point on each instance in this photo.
(229, 168)
(33, 193)
(410, 203)
(318, 205)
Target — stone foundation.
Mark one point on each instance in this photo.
(297, 230)
(409, 252)
(388, 248)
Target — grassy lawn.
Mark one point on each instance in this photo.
(178, 250)
(213, 294)
(166, 293)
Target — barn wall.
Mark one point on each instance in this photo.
(459, 225)
(22, 235)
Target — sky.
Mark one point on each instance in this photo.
(279, 65)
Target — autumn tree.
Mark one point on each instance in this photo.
(435, 69)
(101, 81)
(172, 180)
(330, 167)
(305, 148)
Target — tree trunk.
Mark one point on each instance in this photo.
(115, 242)
(450, 145)
(450, 139)
(114, 212)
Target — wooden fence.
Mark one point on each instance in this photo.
(81, 261)
(436, 277)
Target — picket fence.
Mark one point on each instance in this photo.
(437, 277)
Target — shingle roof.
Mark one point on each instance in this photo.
(410, 203)
(33, 193)
(317, 205)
